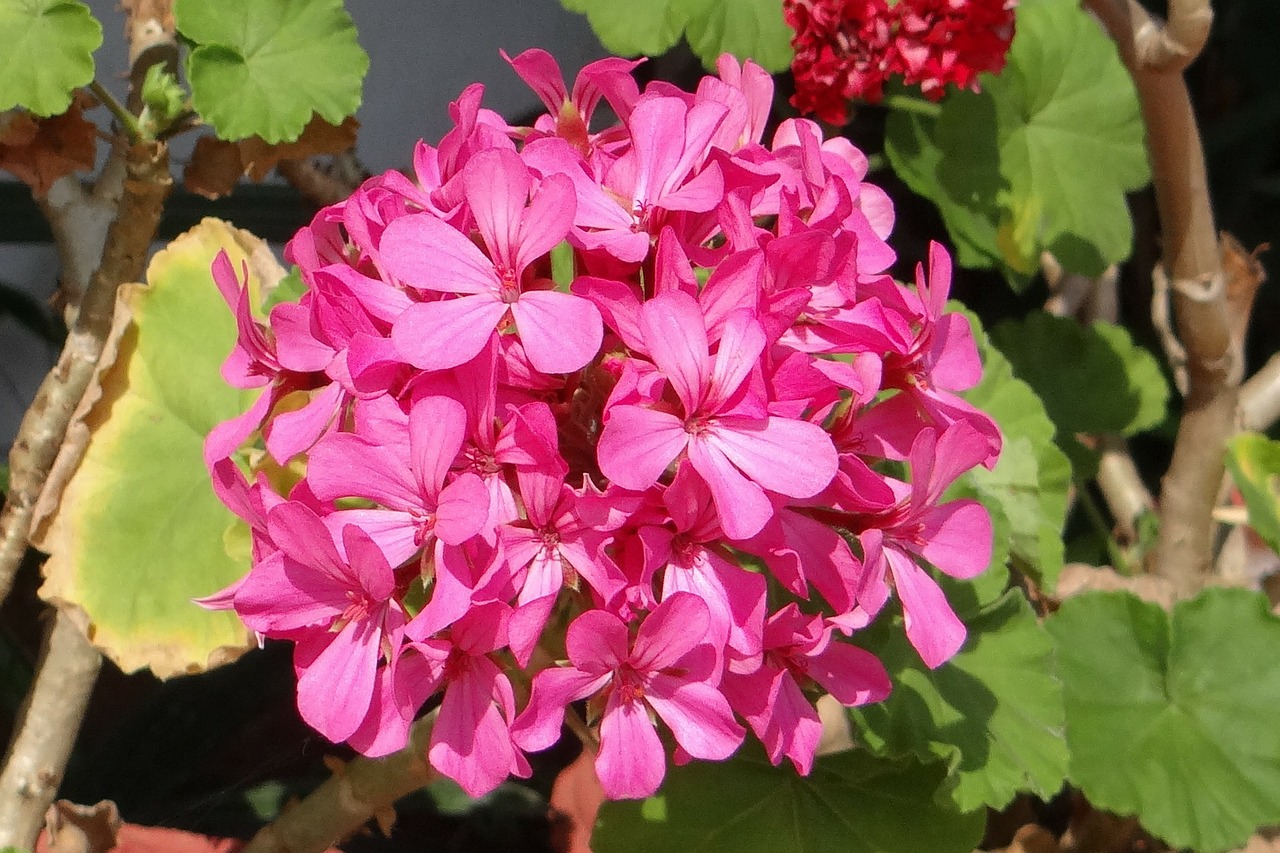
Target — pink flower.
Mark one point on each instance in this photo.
(738, 449)
(665, 670)
(560, 332)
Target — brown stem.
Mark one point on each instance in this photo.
(1191, 269)
(316, 186)
(44, 425)
(1121, 485)
(46, 730)
(358, 791)
(1260, 397)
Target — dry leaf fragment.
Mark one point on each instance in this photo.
(214, 169)
(40, 150)
(216, 165)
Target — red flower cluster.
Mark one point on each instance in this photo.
(848, 48)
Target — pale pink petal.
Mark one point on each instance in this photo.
(631, 762)
(471, 743)
(597, 642)
(546, 221)
(463, 509)
(346, 465)
(740, 348)
(291, 433)
(638, 444)
(561, 332)
(956, 364)
(497, 185)
(698, 715)
(437, 427)
(447, 333)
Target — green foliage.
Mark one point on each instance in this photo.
(852, 802)
(1041, 158)
(263, 67)
(1110, 384)
(993, 712)
(164, 97)
(1254, 463)
(1172, 717)
(47, 55)
(1029, 484)
(139, 531)
(751, 29)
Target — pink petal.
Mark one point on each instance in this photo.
(597, 642)
(335, 687)
(471, 743)
(447, 333)
(931, 625)
(631, 762)
(670, 632)
(741, 505)
(676, 338)
(346, 465)
(698, 715)
(429, 254)
(541, 72)
(638, 444)
(561, 332)
(740, 348)
(463, 509)
(547, 220)
(852, 675)
(791, 457)
(497, 185)
(957, 538)
(437, 427)
(538, 726)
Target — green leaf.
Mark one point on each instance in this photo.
(1254, 462)
(263, 67)
(1031, 480)
(1172, 718)
(850, 803)
(1102, 356)
(630, 29)
(139, 531)
(994, 712)
(748, 29)
(47, 55)
(1039, 160)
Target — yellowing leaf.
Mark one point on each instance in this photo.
(139, 532)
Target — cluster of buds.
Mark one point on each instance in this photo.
(847, 49)
(633, 416)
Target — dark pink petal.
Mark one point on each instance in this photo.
(279, 596)
(631, 762)
(740, 348)
(346, 465)
(368, 564)
(638, 444)
(447, 333)
(698, 715)
(301, 534)
(670, 632)
(384, 729)
(291, 433)
(541, 72)
(428, 254)
(931, 625)
(676, 337)
(561, 332)
(956, 364)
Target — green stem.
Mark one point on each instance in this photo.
(128, 121)
(1119, 561)
(908, 104)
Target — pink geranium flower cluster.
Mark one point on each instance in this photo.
(848, 49)
(640, 398)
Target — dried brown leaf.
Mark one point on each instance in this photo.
(1077, 578)
(59, 145)
(70, 828)
(214, 168)
(318, 138)
(576, 798)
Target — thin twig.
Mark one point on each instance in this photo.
(46, 730)
(1260, 397)
(347, 800)
(316, 186)
(1121, 485)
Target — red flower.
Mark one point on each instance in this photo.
(847, 48)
